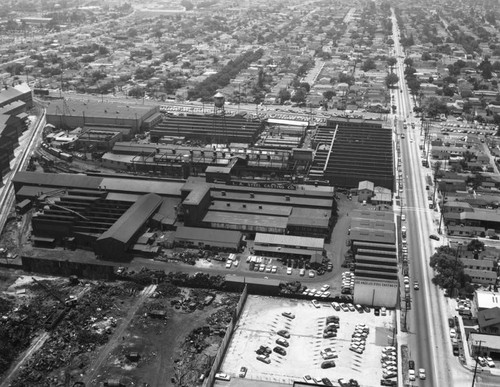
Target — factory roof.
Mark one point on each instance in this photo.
(114, 110)
(289, 240)
(67, 180)
(208, 235)
(133, 219)
(162, 188)
(250, 208)
(253, 220)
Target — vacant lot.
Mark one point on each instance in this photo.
(262, 319)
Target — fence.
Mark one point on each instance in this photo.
(209, 381)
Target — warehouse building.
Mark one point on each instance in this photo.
(348, 151)
(288, 246)
(373, 243)
(208, 238)
(102, 116)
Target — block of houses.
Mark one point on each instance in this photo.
(481, 271)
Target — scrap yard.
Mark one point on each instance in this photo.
(140, 330)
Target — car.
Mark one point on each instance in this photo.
(243, 372)
(332, 319)
(433, 236)
(356, 349)
(328, 364)
(262, 267)
(221, 376)
(264, 359)
(343, 382)
(264, 350)
(385, 382)
(421, 373)
(353, 383)
(312, 274)
(329, 334)
(451, 323)
(416, 286)
(308, 378)
(481, 361)
(490, 362)
(411, 365)
(279, 350)
(289, 270)
(274, 269)
(329, 355)
(351, 307)
(403, 217)
(359, 308)
(289, 315)
(366, 309)
(389, 374)
(302, 272)
(453, 333)
(324, 288)
(336, 306)
(284, 333)
(282, 342)
(383, 311)
(406, 279)
(327, 382)
(229, 264)
(268, 269)
(316, 303)
(376, 312)
(344, 307)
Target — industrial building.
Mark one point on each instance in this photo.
(348, 151)
(14, 103)
(289, 246)
(211, 129)
(107, 213)
(102, 116)
(373, 243)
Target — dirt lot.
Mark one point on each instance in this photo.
(262, 318)
(49, 341)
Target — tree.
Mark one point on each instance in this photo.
(344, 78)
(485, 67)
(328, 95)
(132, 32)
(426, 56)
(368, 65)
(391, 79)
(187, 4)
(391, 61)
(158, 34)
(408, 62)
(449, 271)
(305, 86)
(284, 95)
(299, 96)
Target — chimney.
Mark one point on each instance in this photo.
(252, 195)
(228, 204)
(223, 193)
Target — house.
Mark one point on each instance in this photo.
(365, 191)
(489, 321)
(485, 300)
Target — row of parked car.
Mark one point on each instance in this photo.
(389, 363)
(358, 338)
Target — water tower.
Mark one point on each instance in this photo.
(219, 120)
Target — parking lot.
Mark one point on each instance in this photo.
(260, 322)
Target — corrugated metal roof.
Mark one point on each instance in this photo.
(134, 218)
(289, 240)
(249, 219)
(208, 235)
(166, 188)
(65, 180)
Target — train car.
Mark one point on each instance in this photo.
(66, 157)
(54, 151)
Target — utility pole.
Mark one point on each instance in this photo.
(475, 368)
(459, 245)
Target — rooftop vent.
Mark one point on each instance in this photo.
(287, 198)
(252, 195)
(223, 193)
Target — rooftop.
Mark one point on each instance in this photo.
(289, 240)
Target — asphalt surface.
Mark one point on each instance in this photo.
(428, 333)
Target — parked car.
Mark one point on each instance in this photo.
(416, 286)
(243, 372)
(280, 350)
(421, 373)
(490, 362)
(263, 350)
(284, 333)
(316, 303)
(327, 382)
(433, 236)
(411, 375)
(264, 359)
(289, 271)
(289, 315)
(328, 364)
(336, 306)
(274, 269)
(411, 365)
(302, 272)
(221, 376)
(312, 274)
(282, 342)
(307, 378)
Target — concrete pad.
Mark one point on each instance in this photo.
(262, 318)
